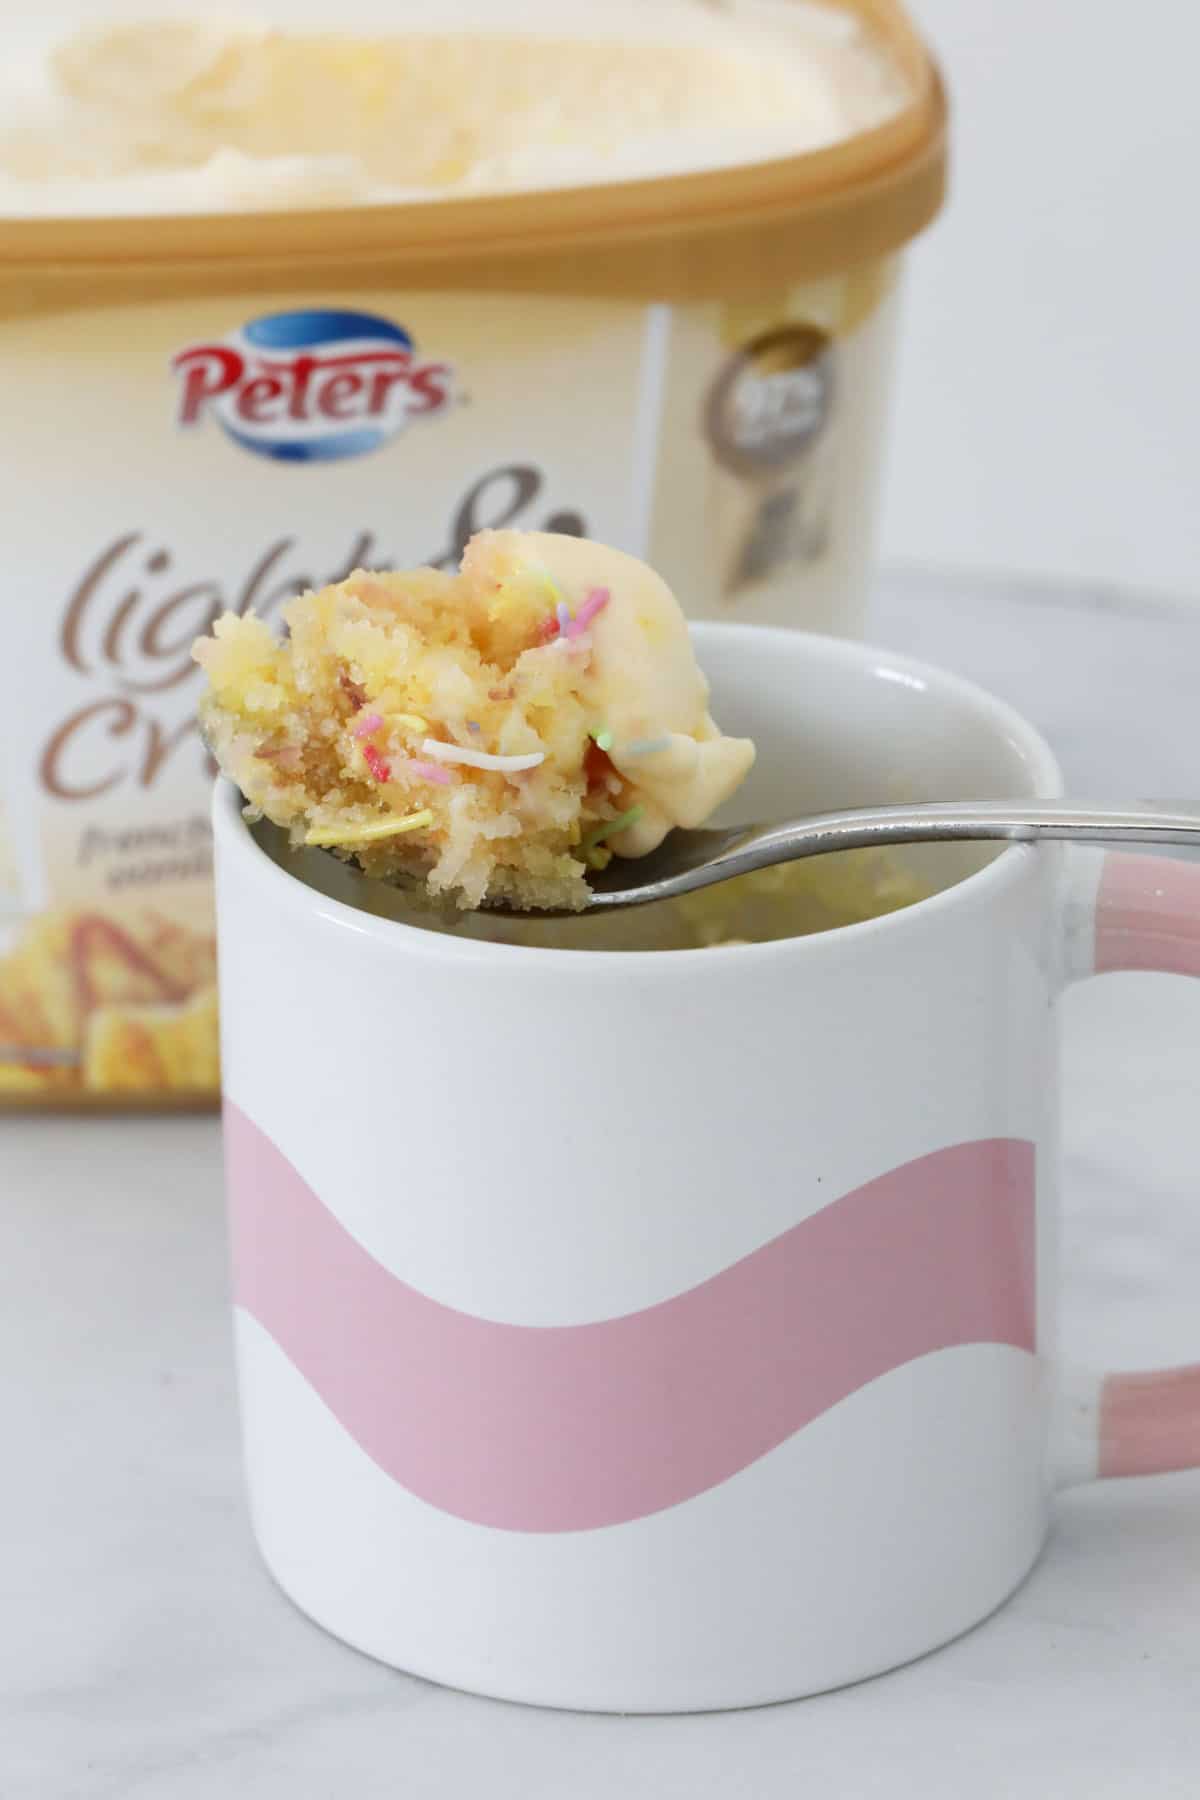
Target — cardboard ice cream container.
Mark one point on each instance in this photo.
(220, 409)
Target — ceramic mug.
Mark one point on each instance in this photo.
(676, 1330)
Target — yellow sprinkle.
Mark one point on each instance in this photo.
(328, 838)
(410, 720)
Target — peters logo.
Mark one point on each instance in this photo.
(312, 386)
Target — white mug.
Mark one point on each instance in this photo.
(676, 1330)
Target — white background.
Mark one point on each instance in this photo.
(1050, 369)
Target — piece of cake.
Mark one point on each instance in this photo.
(493, 734)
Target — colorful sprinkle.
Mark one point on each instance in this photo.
(428, 772)
(481, 759)
(327, 838)
(595, 603)
(380, 768)
(611, 827)
(473, 725)
(410, 721)
(563, 614)
(646, 746)
(548, 630)
(370, 722)
(603, 739)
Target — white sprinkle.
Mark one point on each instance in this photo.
(646, 746)
(480, 759)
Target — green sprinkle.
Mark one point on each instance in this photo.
(603, 739)
(611, 827)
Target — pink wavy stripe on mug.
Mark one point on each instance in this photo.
(567, 1428)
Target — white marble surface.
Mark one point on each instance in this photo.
(145, 1655)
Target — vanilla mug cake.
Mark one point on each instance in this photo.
(491, 735)
(498, 734)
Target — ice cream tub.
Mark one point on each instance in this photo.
(652, 302)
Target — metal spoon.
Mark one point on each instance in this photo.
(688, 860)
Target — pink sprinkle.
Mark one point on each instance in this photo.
(595, 603)
(429, 772)
(380, 769)
(367, 724)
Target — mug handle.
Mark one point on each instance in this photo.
(1125, 913)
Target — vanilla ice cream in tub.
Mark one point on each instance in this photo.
(279, 301)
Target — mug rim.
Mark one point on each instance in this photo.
(233, 832)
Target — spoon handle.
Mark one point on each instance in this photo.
(1014, 821)
(698, 859)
